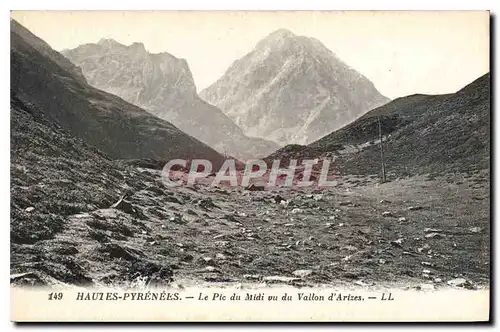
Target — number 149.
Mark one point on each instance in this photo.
(55, 296)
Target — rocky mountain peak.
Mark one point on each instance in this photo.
(287, 43)
(276, 39)
(132, 72)
(292, 89)
(108, 42)
(279, 34)
(112, 45)
(138, 46)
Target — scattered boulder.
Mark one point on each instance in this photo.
(458, 282)
(398, 242)
(113, 225)
(364, 230)
(387, 214)
(302, 273)
(221, 191)
(187, 258)
(252, 277)
(433, 235)
(27, 279)
(254, 187)
(230, 217)
(220, 256)
(278, 199)
(426, 287)
(318, 197)
(208, 260)
(207, 204)
(82, 215)
(177, 218)
(350, 248)
(152, 274)
(280, 279)
(424, 247)
(116, 251)
(475, 229)
(98, 235)
(328, 225)
(66, 250)
(285, 203)
(124, 206)
(172, 199)
(361, 283)
(432, 230)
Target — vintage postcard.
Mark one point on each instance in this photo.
(247, 166)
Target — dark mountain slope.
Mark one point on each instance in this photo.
(44, 49)
(53, 170)
(56, 181)
(119, 129)
(422, 134)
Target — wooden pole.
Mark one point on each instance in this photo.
(381, 149)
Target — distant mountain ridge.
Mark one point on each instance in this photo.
(163, 85)
(292, 89)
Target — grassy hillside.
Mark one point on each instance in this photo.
(422, 134)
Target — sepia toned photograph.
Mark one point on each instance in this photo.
(250, 165)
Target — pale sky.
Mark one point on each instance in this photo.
(402, 53)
